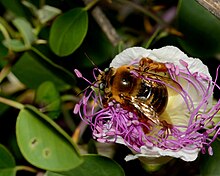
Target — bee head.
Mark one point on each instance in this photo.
(105, 79)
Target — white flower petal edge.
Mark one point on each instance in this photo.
(165, 54)
(154, 152)
(186, 155)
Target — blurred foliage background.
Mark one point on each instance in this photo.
(43, 41)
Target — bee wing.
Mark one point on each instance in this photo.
(145, 109)
(173, 87)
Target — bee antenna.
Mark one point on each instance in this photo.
(90, 60)
(86, 88)
(83, 90)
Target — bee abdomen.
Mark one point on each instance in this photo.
(154, 94)
(160, 98)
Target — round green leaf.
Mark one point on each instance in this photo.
(200, 28)
(7, 162)
(93, 165)
(6, 158)
(68, 31)
(48, 99)
(42, 144)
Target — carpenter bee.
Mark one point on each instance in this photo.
(141, 89)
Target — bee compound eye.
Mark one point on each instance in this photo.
(126, 84)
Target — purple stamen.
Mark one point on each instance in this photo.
(113, 123)
(182, 62)
(78, 73)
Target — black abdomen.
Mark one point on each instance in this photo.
(153, 94)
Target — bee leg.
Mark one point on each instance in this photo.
(165, 124)
(147, 64)
(144, 64)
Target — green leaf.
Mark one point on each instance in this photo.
(93, 165)
(68, 31)
(33, 68)
(210, 164)
(14, 6)
(24, 27)
(200, 28)
(8, 172)
(48, 98)
(26, 32)
(47, 13)
(6, 158)
(43, 143)
(7, 162)
(15, 45)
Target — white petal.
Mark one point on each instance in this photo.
(149, 160)
(165, 54)
(169, 54)
(129, 55)
(155, 152)
(152, 154)
(176, 113)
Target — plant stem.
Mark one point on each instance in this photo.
(212, 6)
(79, 131)
(104, 23)
(4, 32)
(7, 27)
(26, 168)
(144, 11)
(5, 71)
(90, 4)
(42, 3)
(11, 103)
(150, 40)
